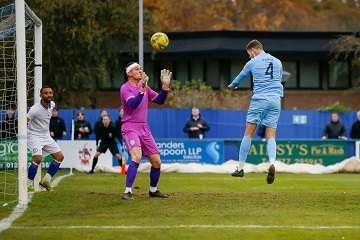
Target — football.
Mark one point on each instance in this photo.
(159, 41)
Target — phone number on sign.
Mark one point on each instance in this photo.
(298, 160)
(15, 165)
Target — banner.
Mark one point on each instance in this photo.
(9, 156)
(290, 152)
(185, 151)
(191, 151)
(80, 153)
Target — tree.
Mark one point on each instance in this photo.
(347, 47)
(79, 44)
(190, 15)
(255, 15)
(197, 93)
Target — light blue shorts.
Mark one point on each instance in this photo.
(264, 110)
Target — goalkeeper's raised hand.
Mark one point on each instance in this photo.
(165, 77)
(144, 82)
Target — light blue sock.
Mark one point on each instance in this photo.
(271, 147)
(244, 149)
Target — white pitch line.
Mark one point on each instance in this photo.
(192, 226)
(20, 209)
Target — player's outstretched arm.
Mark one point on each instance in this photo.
(241, 77)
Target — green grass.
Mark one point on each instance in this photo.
(200, 206)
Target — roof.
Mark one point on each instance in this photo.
(232, 43)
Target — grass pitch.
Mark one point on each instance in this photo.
(200, 206)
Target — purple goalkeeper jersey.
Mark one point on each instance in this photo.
(139, 114)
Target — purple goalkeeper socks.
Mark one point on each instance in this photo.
(154, 176)
(131, 173)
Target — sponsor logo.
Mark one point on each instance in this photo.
(84, 154)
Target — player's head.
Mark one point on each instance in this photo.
(106, 120)
(133, 70)
(253, 48)
(46, 94)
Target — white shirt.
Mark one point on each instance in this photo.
(39, 120)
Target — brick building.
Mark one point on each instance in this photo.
(217, 57)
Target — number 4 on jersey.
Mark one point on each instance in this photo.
(269, 70)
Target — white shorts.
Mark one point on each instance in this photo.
(38, 145)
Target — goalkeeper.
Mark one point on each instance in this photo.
(135, 95)
(107, 133)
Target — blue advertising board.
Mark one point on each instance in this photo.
(187, 151)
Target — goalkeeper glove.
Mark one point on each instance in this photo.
(165, 77)
(144, 83)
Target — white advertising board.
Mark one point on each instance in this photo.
(79, 154)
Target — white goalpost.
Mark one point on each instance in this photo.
(20, 82)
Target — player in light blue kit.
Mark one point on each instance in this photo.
(265, 103)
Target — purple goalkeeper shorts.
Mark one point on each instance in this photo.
(139, 135)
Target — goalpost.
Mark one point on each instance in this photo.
(20, 82)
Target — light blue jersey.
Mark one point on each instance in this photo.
(267, 74)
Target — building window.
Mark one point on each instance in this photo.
(235, 68)
(309, 75)
(355, 76)
(182, 72)
(212, 74)
(148, 68)
(197, 70)
(118, 77)
(167, 65)
(291, 68)
(339, 75)
(224, 74)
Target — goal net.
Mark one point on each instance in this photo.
(20, 79)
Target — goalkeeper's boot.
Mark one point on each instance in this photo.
(238, 173)
(31, 188)
(271, 174)
(90, 172)
(127, 196)
(46, 185)
(157, 194)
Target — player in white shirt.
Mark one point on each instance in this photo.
(39, 139)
